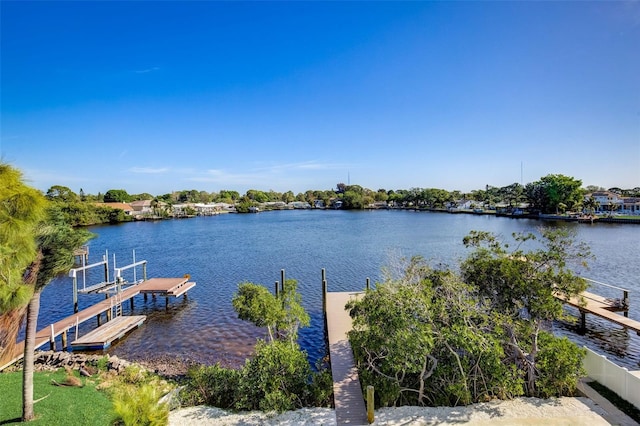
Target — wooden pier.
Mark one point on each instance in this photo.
(167, 287)
(347, 391)
(603, 307)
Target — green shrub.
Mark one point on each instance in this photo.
(137, 405)
(276, 378)
(321, 389)
(103, 363)
(559, 364)
(212, 385)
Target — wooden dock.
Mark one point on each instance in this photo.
(590, 303)
(102, 337)
(167, 287)
(347, 391)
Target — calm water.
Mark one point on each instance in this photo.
(220, 252)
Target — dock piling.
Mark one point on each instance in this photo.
(324, 292)
(52, 339)
(370, 404)
(75, 295)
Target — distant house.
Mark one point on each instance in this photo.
(610, 201)
(141, 207)
(631, 205)
(299, 205)
(120, 206)
(146, 207)
(318, 204)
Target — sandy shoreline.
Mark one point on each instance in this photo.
(520, 411)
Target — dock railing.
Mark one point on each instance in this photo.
(624, 302)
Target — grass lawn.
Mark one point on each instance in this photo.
(63, 405)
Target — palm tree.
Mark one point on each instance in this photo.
(35, 245)
(56, 240)
(591, 205)
(21, 209)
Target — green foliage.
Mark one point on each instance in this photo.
(276, 378)
(321, 389)
(513, 280)
(547, 194)
(135, 395)
(523, 285)
(103, 363)
(226, 196)
(254, 303)
(117, 196)
(294, 316)
(422, 339)
(244, 204)
(21, 210)
(62, 193)
(85, 213)
(282, 316)
(57, 240)
(435, 337)
(137, 405)
(560, 366)
(212, 385)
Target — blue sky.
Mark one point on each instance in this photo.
(163, 96)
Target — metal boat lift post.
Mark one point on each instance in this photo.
(118, 273)
(73, 274)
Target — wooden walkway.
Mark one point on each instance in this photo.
(589, 303)
(164, 287)
(347, 392)
(102, 337)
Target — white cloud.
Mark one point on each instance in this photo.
(147, 70)
(148, 170)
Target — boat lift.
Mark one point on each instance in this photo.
(107, 287)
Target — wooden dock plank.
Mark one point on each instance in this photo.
(162, 285)
(179, 291)
(591, 301)
(347, 391)
(103, 336)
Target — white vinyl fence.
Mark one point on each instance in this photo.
(618, 379)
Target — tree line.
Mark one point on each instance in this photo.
(554, 193)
